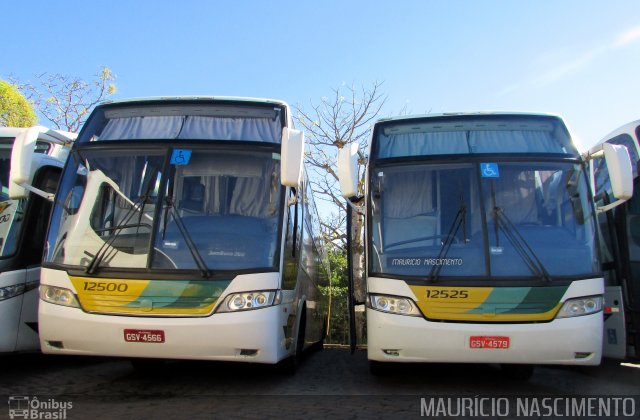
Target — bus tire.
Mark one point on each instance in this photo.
(289, 366)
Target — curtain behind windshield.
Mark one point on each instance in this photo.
(539, 221)
(415, 210)
(226, 205)
(193, 128)
(465, 142)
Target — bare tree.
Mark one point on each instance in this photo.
(65, 101)
(341, 120)
(337, 121)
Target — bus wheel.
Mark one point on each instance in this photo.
(517, 372)
(378, 368)
(289, 365)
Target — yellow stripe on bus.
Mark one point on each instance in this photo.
(462, 303)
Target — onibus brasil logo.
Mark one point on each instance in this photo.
(23, 407)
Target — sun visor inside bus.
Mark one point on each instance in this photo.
(209, 165)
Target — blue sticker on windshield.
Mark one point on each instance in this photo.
(180, 156)
(489, 170)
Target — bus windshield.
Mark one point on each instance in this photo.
(203, 208)
(494, 219)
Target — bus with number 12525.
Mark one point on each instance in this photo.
(481, 241)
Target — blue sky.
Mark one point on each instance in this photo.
(579, 59)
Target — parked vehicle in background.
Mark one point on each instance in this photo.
(620, 244)
(23, 226)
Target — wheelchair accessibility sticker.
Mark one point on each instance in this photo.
(489, 170)
(180, 156)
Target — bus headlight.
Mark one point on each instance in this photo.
(11, 291)
(580, 306)
(394, 305)
(250, 300)
(58, 296)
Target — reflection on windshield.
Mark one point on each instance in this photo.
(5, 166)
(11, 211)
(431, 221)
(215, 210)
(418, 223)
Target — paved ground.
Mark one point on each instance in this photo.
(329, 383)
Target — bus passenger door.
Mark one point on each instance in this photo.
(630, 289)
(28, 323)
(614, 340)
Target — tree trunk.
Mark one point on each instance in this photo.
(359, 280)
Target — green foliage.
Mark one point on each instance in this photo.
(15, 110)
(339, 323)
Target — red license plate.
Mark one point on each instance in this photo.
(144, 336)
(488, 342)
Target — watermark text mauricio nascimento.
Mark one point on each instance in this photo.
(552, 407)
(422, 261)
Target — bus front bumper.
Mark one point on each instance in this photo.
(254, 336)
(567, 341)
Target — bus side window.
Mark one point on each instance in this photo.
(292, 242)
(602, 190)
(633, 212)
(38, 215)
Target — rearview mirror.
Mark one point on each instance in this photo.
(620, 172)
(292, 157)
(348, 170)
(21, 156)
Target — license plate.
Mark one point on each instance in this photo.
(144, 336)
(488, 342)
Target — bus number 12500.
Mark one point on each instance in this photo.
(92, 286)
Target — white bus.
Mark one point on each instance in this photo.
(184, 228)
(620, 251)
(481, 241)
(23, 226)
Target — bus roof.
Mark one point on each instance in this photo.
(10, 131)
(629, 127)
(235, 99)
(50, 135)
(480, 114)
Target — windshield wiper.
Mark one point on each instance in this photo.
(501, 221)
(193, 249)
(520, 244)
(108, 244)
(459, 220)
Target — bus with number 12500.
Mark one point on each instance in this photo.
(184, 228)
